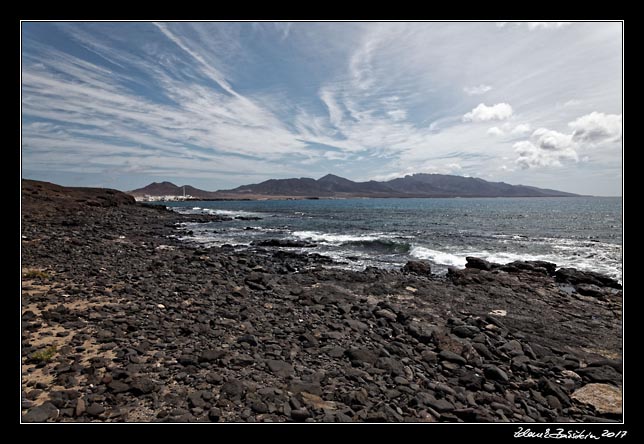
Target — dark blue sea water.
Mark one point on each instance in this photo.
(584, 232)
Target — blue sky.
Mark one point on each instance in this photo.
(221, 104)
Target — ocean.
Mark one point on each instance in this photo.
(580, 232)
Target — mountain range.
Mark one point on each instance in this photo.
(415, 185)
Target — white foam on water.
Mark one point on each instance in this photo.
(234, 213)
(599, 262)
(229, 213)
(334, 239)
(438, 257)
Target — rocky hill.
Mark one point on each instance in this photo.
(416, 185)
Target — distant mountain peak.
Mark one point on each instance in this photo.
(331, 177)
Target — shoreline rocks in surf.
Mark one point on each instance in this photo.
(361, 242)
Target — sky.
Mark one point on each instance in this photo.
(221, 104)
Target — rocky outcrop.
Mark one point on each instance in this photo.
(123, 322)
(417, 267)
(577, 277)
(283, 243)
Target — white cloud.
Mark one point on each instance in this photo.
(547, 148)
(397, 114)
(533, 156)
(483, 113)
(477, 90)
(212, 72)
(335, 155)
(551, 148)
(532, 26)
(521, 129)
(595, 128)
(546, 25)
(335, 112)
(572, 102)
(550, 140)
(428, 167)
(495, 131)
(186, 90)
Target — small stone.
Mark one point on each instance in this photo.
(161, 306)
(143, 386)
(187, 360)
(80, 407)
(308, 340)
(195, 400)
(280, 368)
(259, 407)
(429, 356)
(212, 355)
(336, 352)
(95, 409)
(214, 378)
(440, 405)
(214, 414)
(248, 339)
(495, 373)
(399, 380)
(179, 412)
(317, 402)
(233, 388)
(362, 355)
(300, 414)
(513, 348)
(302, 386)
(34, 394)
(570, 374)
(553, 402)
(465, 331)
(499, 312)
(447, 355)
(549, 387)
(387, 314)
(118, 387)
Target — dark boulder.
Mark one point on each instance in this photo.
(417, 267)
(280, 368)
(541, 267)
(447, 355)
(361, 355)
(283, 243)
(605, 373)
(41, 413)
(478, 263)
(575, 277)
(143, 386)
(495, 373)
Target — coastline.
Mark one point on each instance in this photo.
(122, 322)
(262, 197)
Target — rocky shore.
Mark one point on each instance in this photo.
(122, 322)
